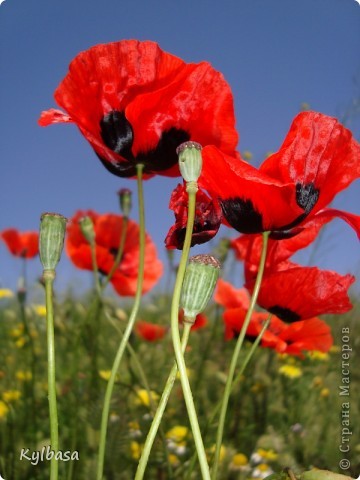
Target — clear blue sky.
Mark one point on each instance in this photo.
(275, 54)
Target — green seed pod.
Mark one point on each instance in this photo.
(51, 241)
(125, 201)
(190, 160)
(87, 229)
(200, 279)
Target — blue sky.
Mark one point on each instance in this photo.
(275, 55)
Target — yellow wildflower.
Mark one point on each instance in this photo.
(222, 452)
(23, 375)
(188, 373)
(177, 434)
(239, 460)
(135, 449)
(105, 374)
(317, 355)
(6, 293)
(40, 310)
(4, 409)
(20, 342)
(325, 392)
(290, 371)
(335, 349)
(267, 454)
(143, 397)
(11, 395)
(17, 331)
(173, 460)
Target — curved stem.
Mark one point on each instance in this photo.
(160, 410)
(239, 343)
(129, 327)
(191, 189)
(49, 276)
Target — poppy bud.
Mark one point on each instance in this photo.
(87, 229)
(190, 160)
(200, 279)
(125, 201)
(51, 241)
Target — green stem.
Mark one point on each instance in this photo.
(191, 188)
(251, 352)
(95, 268)
(160, 410)
(49, 276)
(235, 382)
(129, 327)
(119, 252)
(239, 343)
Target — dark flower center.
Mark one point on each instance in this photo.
(241, 215)
(306, 196)
(118, 135)
(284, 313)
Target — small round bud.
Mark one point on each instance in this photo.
(87, 229)
(125, 201)
(51, 240)
(190, 160)
(200, 279)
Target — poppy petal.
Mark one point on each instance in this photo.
(251, 201)
(107, 237)
(297, 293)
(135, 103)
(53, 115)
(21, 244)
(231, 297)
(320, 156)
(206, 223)
(150, 331)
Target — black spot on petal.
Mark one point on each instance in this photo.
(284, 314)
(117, 133)
(241, 215)
(164, 155)
(306, 196)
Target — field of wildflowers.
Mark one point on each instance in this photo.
(250, 385)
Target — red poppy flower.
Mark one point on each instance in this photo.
(21, 244)
(248, 248)
(300, 336)
(150, 331)
(107, 236)
(135, 103)
(288, 290)
(236, 302)
(318, 159)
(207, 218)
(297, 292)
(200, 321)
(306, 335)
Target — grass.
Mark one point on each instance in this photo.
(274, 420)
